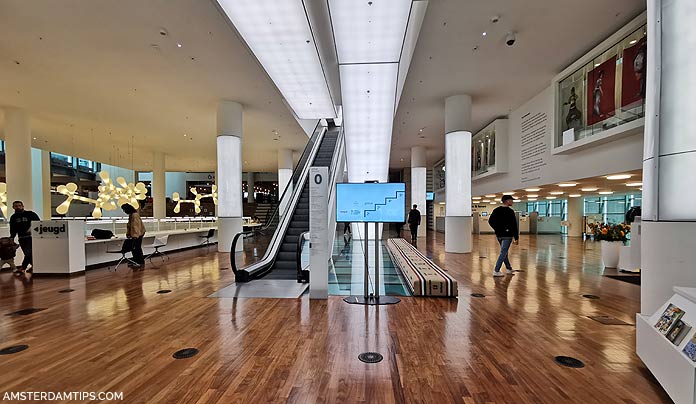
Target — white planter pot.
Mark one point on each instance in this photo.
(611, 251)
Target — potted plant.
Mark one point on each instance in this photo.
(612, 237)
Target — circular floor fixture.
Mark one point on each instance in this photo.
(66, 290)
(370, 357)
(478, 295)
(13, 349)
(590, 297)
(185, 353)
(569, 362)
(163, 291)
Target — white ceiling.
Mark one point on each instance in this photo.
(551, 34)
(98, 88)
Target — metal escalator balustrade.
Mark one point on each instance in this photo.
(289, 220)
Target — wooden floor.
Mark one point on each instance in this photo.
(115, 333)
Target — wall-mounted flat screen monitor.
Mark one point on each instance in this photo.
(371, 202)
(430, 196)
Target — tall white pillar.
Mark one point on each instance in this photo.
(229, 171)
(576, 211)
(250, 186)
(669, 155)
(285, 163)
(158, 186)
(18, 157)
(46, 184)
(418, 185)
(458, 221)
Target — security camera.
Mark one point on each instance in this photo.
(510, 39)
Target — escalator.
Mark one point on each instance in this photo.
(291, 218)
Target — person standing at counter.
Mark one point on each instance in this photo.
(135, 230)
(20, 226)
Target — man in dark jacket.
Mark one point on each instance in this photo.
(20, 226)
(414, 219)
(504, 221)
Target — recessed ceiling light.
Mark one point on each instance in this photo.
(619, 177)
(486, 200)
(493, 203)
(532, 196)
(34, 138)
(606, 192)
(556, 193)
(633, 41)
(532, 189)
(185, 135)
(531, 199)
(484, 33)
(517, 200)
(476, 197)
(597, 64)
(634, 184)
(178, 45)
(490, 196)
(508, 193)
(568, 184)
(574, 195)
(550, 197)
(591, 189)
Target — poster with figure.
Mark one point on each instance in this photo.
(572, 97)
(601, 82)
(633, 75)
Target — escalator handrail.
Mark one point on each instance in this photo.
(299, 254)
(270, 254)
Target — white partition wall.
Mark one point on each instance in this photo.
(418, 186)
(159, 196)
(229, 171)
(458, 220)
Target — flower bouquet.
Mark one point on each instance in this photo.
(610, 232)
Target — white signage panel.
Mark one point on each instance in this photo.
(318, 233)
(49, 229)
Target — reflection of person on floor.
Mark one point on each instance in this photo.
(504, 221)
(20, 226)
(574, 117)
(414, 219)
(597, 95)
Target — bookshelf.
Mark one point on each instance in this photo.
(670, 366)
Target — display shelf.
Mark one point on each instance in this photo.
(489, 150)
(670, 366)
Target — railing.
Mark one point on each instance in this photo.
(278, 222)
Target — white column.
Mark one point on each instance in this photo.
(46, 184)
(418, 184)
(576, 210)
(285, 163)
(229, 171)
(458, 221)
(158, 186)
(669, 155)
(250, 187)
(18, 157)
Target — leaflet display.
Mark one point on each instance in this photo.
(371, 202)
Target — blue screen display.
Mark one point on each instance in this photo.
(372, 202)
(429, 196)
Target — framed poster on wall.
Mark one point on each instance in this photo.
(601, 82)
(633, 75)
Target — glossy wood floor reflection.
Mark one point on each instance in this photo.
(115, 333)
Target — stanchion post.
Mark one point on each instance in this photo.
(367, 260)
(377, 258)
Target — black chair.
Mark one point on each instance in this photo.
(126, 247)
(207, 237)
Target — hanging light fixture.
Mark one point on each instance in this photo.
(196, 201)
(110, 196)
(3, 199)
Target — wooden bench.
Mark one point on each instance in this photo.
(423, 277)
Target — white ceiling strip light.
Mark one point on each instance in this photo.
(368, 109)
(369, 31)
(278, 33)
(369, 37)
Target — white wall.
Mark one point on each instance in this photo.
(613, 157)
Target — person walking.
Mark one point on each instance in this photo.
(504, 221)
(8, 250)
(135, 230)
(414, 219)
(20, 226)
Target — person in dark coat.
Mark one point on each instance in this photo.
(504, 221)
(414, 219)
(20, 226)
